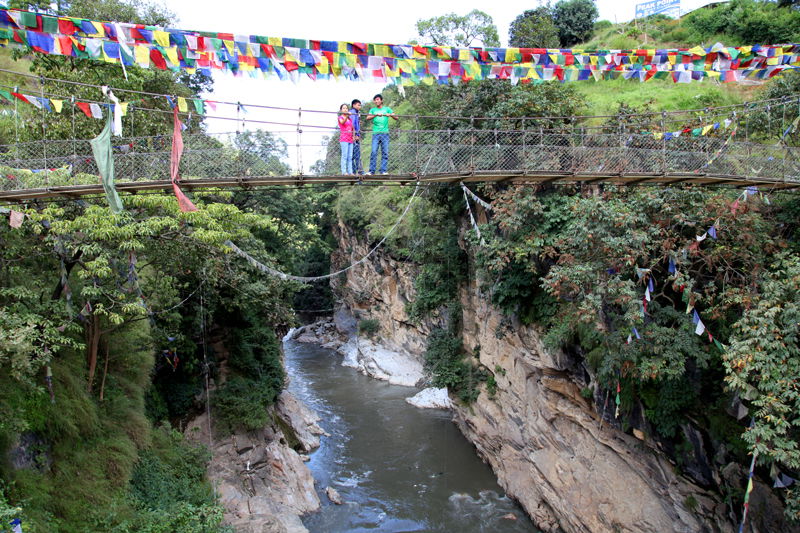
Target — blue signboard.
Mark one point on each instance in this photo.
(657, 6)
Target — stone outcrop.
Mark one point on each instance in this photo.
(263, 483)
(571, 469)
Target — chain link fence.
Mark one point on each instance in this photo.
(561, 151)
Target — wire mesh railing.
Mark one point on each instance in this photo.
(419, 152)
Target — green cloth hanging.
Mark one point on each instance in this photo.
(103, 154)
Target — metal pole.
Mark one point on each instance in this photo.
(299, 135)
(524, 148)
(416, 144)
(44, 133)
(472, 144)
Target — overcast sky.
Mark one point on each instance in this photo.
(379, 21)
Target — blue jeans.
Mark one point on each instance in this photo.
(347, 157)
(357, 169)
(381, 139)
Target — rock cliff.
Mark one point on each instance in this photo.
(570, 468)
(261, 479)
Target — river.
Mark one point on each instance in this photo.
(397, 467)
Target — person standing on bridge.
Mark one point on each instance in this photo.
(355, 110)
(346, 139)
(379, 115)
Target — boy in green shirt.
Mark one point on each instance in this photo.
(379, 115)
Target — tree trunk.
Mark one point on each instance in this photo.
(105, 370)
(92, 345)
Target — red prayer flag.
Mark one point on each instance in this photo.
(174, 163)
(157, 59)
(84, 106)
(66, 27)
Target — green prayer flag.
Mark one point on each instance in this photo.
(104, 156)
(49, 24)
(5, 94)
(199, 106)
(28, 19)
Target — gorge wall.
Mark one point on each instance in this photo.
(570, 467)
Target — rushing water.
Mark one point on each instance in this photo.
(398, 468)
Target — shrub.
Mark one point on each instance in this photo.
(368, 327)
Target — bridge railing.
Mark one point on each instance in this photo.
(421, 152)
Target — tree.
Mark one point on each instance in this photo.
(574, 20)
(476, 28)
(763, 366)
(534, 29)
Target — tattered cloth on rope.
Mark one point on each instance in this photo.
(175, 161)
(104, 155)
(486, 205)
(472, 218)
(304, 279)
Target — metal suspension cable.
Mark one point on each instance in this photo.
(308, 279)
(785, 99)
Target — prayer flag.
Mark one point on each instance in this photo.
(175, 160)
(700, 328)
(15, 219)
(104, 156)
(57, 104)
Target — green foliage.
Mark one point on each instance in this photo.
(762, 365)
(169, 472)
(445, 360)
(574, 20)
(255, 379)
(473, 29)
(746, 22)
(534, 28)
(368, 326)
(665, 402)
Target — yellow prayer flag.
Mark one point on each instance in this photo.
(658, 136)
(511, 54)
(343, 48)
(419, 55)
(427, 80)
(142, 54)
(744, 50)
(324, 66)
(773, 61)
(124, 108)
(713, 74)
(464, 55)
(161, 37)
(182, 107)
(672, 58)
(57, 104)
(100, 31)
(383, 51)
(706, 129)
(274, 41)
(172, 55)
(698, 51)
(593, 59)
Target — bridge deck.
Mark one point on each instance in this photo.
(530, 178)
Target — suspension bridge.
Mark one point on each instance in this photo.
(748, 145)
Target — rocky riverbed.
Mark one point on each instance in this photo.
(373, 359)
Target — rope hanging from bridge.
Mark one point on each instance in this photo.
(309, 279)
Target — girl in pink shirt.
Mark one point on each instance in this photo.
(346, 139)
